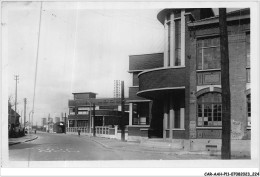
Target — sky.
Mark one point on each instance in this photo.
(82, 48)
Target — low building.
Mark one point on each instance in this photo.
(81, 111)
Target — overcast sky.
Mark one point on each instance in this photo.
(81, 49)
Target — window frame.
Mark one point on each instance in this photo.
(248, 107)
(202, 52)
(211, 105)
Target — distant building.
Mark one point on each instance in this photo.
(107, 110)
(57, 119)
(44, 121)
(117, 89)
(50, 120)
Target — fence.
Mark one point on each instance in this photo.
(101, 131)
(74, 130)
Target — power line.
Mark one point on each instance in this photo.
(37, 58)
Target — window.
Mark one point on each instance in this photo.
(208, 53)
(82, 110)
(169, 42)
(209, 110)
(72, 111)
(140, 113)
(177, 43)
(248, 49)
(248, 100)
(248, 78)
(177, 48)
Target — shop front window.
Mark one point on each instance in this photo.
(209, 110)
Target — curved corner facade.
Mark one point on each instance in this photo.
(184, 90)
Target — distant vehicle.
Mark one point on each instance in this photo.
(59, 127)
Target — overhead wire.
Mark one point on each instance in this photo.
(37, 59)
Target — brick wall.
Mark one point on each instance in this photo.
(147, 61)
(172, 77)
(237, 56)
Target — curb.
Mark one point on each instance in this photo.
(31, 139)
(14, 143)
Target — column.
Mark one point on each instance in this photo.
(130, 113)
(165, 117)
(171, 117)
(182, 118)
(165, 58)
(182, 38)
(103, 121)
(172, 42)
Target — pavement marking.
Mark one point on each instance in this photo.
(54, 148)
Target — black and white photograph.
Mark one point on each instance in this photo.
(166, 86)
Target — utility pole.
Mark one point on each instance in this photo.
(16, 78)
(94, 124)
(24, 117)
(90, 118)
(225, 85)
(122, 121)
(65, 121)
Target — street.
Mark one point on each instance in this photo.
(64, 147)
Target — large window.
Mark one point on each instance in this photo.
(177, 43)
(208, 53)
(209, 110)
(141, 113)
(248, 98)
(248, 78)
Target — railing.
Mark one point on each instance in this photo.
(75, 129)
(103, 130)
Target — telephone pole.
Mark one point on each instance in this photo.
(24, 117)
(16, 78)
(225, 85)
(94, 122)
(122, 122)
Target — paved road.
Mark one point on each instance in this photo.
(62, 147)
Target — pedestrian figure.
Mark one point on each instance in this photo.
(78, 131)
(35, 131)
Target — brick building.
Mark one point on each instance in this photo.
(180, 89)
(107, 111)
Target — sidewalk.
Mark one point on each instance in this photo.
(23, 139)
(142, 147)
(135, 146)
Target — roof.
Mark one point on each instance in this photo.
(231, 16)
(207, 11)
